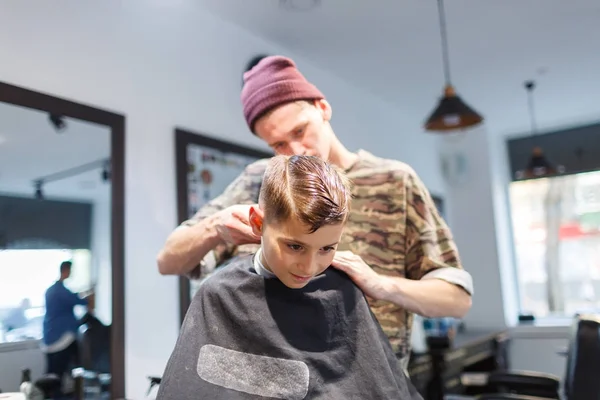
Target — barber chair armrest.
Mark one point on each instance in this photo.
(509, 396)
(494, 396)
(81, 375)
(525, 383)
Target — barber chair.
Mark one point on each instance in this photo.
(581, 381)
(94, 348)
(94, 345)
(525, 383)
(508, 396)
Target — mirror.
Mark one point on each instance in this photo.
(60, 246)
(205, 167)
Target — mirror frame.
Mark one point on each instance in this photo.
(183, 138)
(27, 98)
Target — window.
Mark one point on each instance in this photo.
(556, 230)
(25, 274)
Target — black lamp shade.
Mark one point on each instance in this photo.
(452, 113)
(539, 166)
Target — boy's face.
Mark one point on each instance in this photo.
(291, 253)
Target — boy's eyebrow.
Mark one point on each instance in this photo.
(306, 245)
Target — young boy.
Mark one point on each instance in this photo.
(280, 324)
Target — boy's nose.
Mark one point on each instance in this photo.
(308, 266)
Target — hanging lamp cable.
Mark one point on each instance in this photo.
(530, 85)
(444, 37)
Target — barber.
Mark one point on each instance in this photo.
(60, 324)
(396, 247)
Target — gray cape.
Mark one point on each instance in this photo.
(249, 337)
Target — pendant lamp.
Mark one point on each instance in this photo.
(452, 112)
(538, 165)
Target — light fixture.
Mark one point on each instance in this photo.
(299, 5)
(58, 122)
(106, 171)
(38, 190)
(105, 174)
(538, 165)
(452, 112)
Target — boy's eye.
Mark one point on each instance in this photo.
(328, 249)
(295, 247)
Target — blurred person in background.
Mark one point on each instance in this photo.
(61, 325)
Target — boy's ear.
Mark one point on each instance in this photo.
(256, 217)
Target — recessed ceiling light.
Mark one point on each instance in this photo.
(299, 5)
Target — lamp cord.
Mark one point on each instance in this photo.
(444, 37)
(530, 85)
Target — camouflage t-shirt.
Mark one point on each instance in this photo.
(394, 226)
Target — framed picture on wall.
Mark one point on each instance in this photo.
(205, 166)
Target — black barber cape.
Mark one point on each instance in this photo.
(249, 337)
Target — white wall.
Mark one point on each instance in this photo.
(471, 217)
(162, 64)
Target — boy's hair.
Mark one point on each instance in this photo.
(306, 188)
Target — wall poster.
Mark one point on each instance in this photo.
(205, 166)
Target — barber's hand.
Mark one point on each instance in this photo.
(233, 225)
(369, 281)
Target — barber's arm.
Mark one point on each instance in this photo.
(436, 285)
(217, 227)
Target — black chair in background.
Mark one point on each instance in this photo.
(93, 378)
(508, 396)
(526, 383)
(94, 345)
(582, 379)
(582, 375)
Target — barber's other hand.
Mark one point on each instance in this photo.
(233, 225)
(369, 281)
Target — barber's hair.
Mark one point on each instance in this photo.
(307, 188)
(65, 266)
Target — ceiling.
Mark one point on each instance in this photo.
(31, 148)
(392, 49)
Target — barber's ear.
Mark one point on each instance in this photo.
(256, 218)
(324, 108)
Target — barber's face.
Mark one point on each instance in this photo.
(298, 128)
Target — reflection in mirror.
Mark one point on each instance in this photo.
(55, 209)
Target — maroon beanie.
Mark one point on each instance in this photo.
(275, 80)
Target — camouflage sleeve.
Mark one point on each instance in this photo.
(243, 190)
(429, 242)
